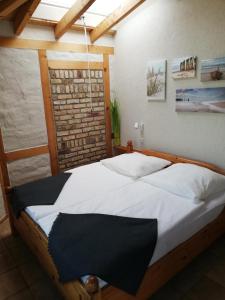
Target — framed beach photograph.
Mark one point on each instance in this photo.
(185, 67)
(201, 100)
(156, 80)
(213, 69)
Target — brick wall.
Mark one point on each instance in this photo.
(80, 130)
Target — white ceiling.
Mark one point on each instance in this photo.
(55, 10)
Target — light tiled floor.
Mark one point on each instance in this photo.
(22, 278)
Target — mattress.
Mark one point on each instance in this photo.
(178, 218)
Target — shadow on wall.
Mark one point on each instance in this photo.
(2, 210)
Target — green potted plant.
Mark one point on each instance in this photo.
(115, 120)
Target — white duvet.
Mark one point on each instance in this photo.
(138, 199)
(84, 183)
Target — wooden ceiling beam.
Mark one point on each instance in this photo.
(73, 14)
(75, 27)
(53, 46)
(9, 6)
(120, 13)
(24, 14)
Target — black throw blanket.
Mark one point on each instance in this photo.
(116, 249)
(41, 192)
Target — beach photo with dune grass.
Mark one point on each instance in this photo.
(185, 67)
(213, 69)
(201, 100)
(156, 80)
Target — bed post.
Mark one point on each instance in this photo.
(91, 286)
(5, 182)
(130, 146)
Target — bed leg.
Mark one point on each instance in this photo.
(92, 287)
(12, 227)
(7, 192)
(11, 223)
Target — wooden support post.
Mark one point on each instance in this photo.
(5, 182)
(3, 163)
(48, 111)
(107, 104)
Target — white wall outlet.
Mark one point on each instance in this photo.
(136, 125)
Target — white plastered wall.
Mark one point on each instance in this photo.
(162, 29)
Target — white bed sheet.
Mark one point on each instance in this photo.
(84, 183)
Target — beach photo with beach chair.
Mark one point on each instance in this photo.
(213, 69)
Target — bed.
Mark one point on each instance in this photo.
(177, 245)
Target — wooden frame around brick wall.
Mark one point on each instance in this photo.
(42, 47)
(51, 148)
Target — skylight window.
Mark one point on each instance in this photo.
(56, 9)
(104, 7)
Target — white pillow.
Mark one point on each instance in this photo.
(188, 180)
(135, 164)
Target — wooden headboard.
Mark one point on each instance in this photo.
(171, 157)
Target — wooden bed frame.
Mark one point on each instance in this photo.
(156, 276)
